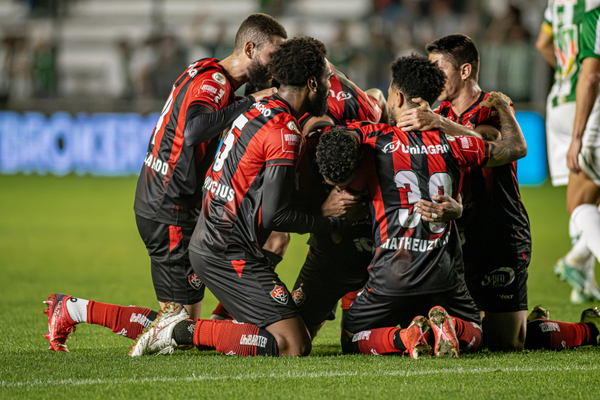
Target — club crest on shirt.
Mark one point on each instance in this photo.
(219, 77)
(298, 296)
(195, 282)
(280, 294)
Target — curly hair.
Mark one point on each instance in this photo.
(459, 49)
(416, 76)
(259, 29)
(298, 59)
(337, 155)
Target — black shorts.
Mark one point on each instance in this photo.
(249, 289)
(499, 283)
(371, 311)
(172, 274)
(325, 278)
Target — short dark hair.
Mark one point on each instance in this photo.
(337, 155)
(259, 29)
(298, 59)
(461, 50)
(416, 76)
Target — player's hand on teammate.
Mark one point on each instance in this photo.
(258, 96)
(420, 118)
(496, 100)
(573, 155)
(338, 203)
(443, 209)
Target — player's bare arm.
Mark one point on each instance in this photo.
(545, 44)
(442, 209)
(586, 93)
(513, 145)
(423, 118)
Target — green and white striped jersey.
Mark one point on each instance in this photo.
(566, 19)
(590, 35)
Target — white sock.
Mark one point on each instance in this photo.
(77, 309)
(587, 218)
(579, 254)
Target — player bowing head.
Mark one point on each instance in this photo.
(300, 67)
(412, 77)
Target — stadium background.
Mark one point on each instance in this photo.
(81, 83)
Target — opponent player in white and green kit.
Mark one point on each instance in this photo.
(563, 43)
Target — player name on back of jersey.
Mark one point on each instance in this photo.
(414, 244)
(219, 189)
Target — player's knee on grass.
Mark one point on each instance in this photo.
(291, 336)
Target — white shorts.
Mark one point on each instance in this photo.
(559, 131)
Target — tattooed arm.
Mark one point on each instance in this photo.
(512, 146)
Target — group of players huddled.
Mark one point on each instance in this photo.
(443, 242)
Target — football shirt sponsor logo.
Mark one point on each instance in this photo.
(211, 90)
(391, 147)
(340, 96)
(279, 294)
(290, 142)
(431, 149)
(468, 144)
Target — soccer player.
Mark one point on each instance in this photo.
(494, 225)
(335, 265)
(572, 127)
(169, 189)
(416, 264)
(249, 193)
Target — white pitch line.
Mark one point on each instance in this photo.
(289, 375)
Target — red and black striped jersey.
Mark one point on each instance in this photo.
(494, 219)
(170, 184)
(260, 143)
(347, 102)
(413, 256)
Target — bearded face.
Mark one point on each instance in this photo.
(318, 104)
(258, 75)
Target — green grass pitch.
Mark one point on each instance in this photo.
(77, 235)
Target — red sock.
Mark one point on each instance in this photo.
(468, 334)
(376, 341)
(558, 335)
(124, 321)
(233, 338)
(222, 312)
